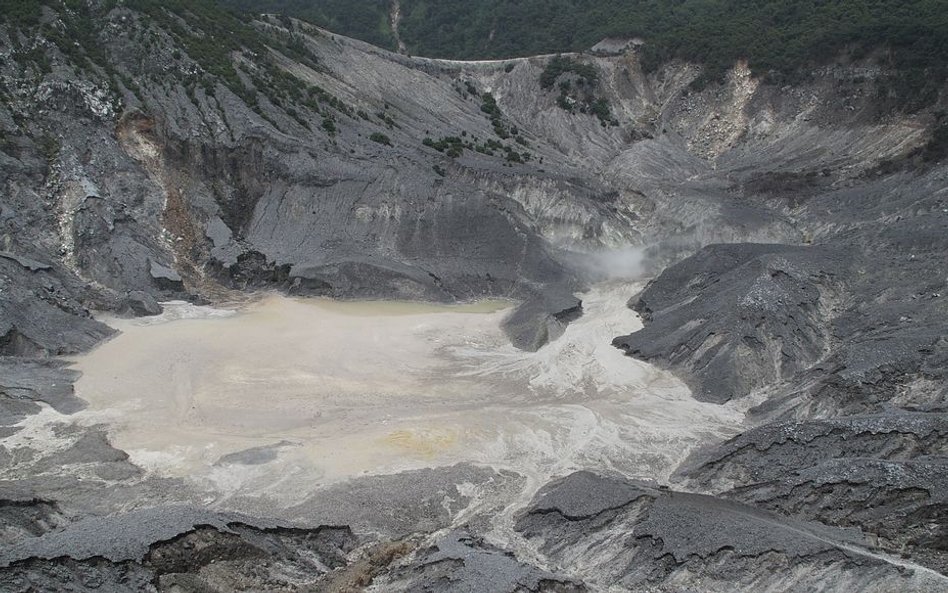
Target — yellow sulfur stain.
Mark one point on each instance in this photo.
(425, 443)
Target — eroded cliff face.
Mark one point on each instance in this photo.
(146, 175)
(292, 191)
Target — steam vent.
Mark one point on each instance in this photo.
(405, 296)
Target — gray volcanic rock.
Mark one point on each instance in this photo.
(806, 251)
(24, 383)
(140, 303)
(776, 450)
(32, 327)
(166, 278)
(850, 322)
(172, 548)
(736, 317)
(884, 474)
(461, 563)
(584, 495)
(542, 319)
(24, 517)
(855, 345)
(255, 455)
(258, 193)
(30, 264)
(87, 576)
(124, 537)
(41, 313)
(397, 505)
(637, 537)
(904, 504)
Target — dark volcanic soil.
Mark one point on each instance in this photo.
(795, 240)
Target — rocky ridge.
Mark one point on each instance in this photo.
(803, 238)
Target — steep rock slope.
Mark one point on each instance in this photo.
(142, 165)
(844, 335)
(637, 536)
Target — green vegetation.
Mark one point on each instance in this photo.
(387, 120)
(780, 38)
(227, 48)
(492, 109)
(49, 147)
(21, 13)
(560, 65)
(317, 96)
(210, 36)
(577, 84)
(454, 147)
(380, 138)
(450, 145)
(363, 19)
(600, 108)
(502, 128)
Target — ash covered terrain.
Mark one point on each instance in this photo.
(284, 311)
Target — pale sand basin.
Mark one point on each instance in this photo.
(343, 389)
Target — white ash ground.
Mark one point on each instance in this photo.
(323, 391)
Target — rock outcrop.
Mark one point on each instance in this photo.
(802, 238)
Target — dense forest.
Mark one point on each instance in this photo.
(778, 34)
(367, 20)
(782, 39)
(779, 37)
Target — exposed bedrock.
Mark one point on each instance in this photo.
(901, 504)
(459, 562)
(804, 253)
(179, 189)
(25, 384)
(42, 312)
(176, 549)
(346, 536)
(640, 537)
(542, 318)
(733, 318)
(881, 473)
(844, 325)
(775, 450)
(841, 346)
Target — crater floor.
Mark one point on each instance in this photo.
(283, 396)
